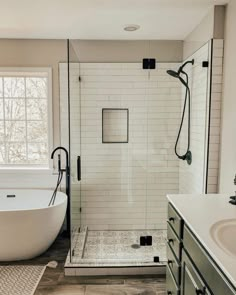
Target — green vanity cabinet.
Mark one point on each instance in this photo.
(190, 269)
(174, 251)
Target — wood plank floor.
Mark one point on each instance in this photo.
(54, 282)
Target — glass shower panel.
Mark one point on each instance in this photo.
(163, 119)
(114, 157)
(192, 178)
(74, 102)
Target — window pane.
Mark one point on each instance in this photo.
(36, 87)
(16, 153)
(37, 153)
(24, 118)
(1, 109)
(36, 109)
(37, 131)
(1, 88)
(14, 87)
(2, 153)
(14, 109)
(2, 138)
(15, 131)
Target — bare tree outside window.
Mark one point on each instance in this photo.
(24, 119)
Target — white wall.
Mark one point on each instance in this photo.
(212, 26)
(228, 138)
(127, 51)
(199, 36)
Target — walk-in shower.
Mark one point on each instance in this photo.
(122, 121)
(178, 74)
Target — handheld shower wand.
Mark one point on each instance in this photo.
(188, 155)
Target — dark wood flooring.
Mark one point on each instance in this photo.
(54, 282)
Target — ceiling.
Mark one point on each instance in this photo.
(102, 19)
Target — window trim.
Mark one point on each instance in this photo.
(34, 167)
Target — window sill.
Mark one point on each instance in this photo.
(26, 170)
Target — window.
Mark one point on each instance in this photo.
(25, 112)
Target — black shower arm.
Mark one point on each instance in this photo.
(187, 62)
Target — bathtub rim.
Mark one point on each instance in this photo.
(64, 200)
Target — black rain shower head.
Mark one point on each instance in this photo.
(173, 73)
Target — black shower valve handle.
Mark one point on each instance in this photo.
(59, 164)
(182, 157)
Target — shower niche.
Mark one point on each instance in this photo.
(115, 125)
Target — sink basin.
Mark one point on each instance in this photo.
(224, 235)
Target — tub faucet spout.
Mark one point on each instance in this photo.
(66, 152)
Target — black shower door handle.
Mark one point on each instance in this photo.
(78, 168)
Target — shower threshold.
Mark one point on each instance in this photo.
(115, 252)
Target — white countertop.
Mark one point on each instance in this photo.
(200, 212)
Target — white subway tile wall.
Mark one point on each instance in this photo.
(192, 177)
(123, 186)
(215, 121)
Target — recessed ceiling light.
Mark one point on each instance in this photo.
(131, 28)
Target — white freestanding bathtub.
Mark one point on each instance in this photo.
(27, 225)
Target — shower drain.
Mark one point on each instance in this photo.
(135, 246)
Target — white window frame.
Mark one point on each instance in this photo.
(8, 168)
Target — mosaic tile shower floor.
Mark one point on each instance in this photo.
(118, 247)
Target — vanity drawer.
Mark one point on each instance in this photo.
(171, 286)
(192, 284)
(217, 283)
(173, 265)
(176, 221)
(174, 241)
